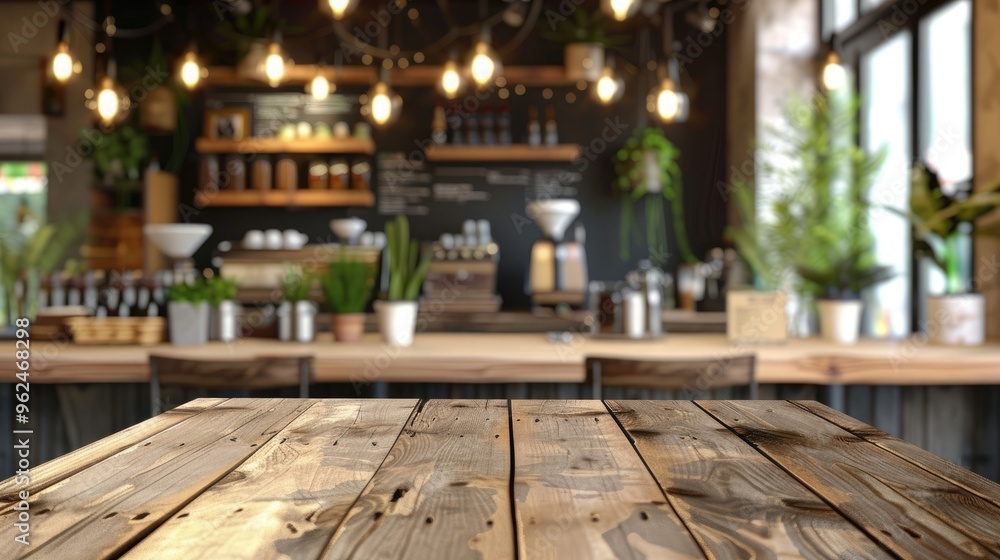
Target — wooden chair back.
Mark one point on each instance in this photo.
(688, 376)
(258, 372)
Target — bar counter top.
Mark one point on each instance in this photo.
(531, 358)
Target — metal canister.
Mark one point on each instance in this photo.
(634, 307)
(297, 321)
(649, 281)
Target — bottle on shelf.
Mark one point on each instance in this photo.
(472, 129)
(455, 125)
(534, 128)
(551, 131)
(439, 126)
(487, 123)
(503, 127)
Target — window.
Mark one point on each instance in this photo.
(837, 16)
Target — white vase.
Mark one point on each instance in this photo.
(583, 61)
(188, 323)
(957, 319)
(840, 320)
(397, 320)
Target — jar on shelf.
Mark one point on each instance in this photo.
(286, 174)
(236, 173)
(261, 173)
(319, 175)
(340, 174)
(361, 175)
(208, 172)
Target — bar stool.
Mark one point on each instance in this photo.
(687, 375)
(258, 372)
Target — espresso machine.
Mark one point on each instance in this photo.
(558, 268)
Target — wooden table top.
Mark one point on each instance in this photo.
(531, 358)
(442, 479)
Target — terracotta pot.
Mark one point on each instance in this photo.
(348, 327)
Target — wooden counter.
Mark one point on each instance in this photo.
(530, 358)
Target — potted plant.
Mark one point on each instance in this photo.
(941, 221)
(188, 312)
(297, 314)
(120, 154)
(646, 169)
(815, 239)
(397, 314)
(347, 287)
(585, 37)
(224, 311)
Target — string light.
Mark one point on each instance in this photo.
(62, 62)
(340, 8)
(191, 71)
(834, 75)
(384, 104)
(451, 80)
(320, 87)
(620, 9)
(670, 104)
(108, 103)
(274, 64)
(485, 66)
(610, 87)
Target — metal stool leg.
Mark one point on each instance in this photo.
(154, 390)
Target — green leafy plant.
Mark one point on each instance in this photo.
(941, 220)
(193, 293)
(119, 154)
(296, 284)
(240, 31)
(347, 285)
(407, 266)
(220, 289)
(816, 228)
(586, 28)
(646, 169)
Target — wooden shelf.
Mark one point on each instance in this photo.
(280, 146)
(298, 197)
(511, 153)
(419, 75)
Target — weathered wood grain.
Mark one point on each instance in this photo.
(926, 460)
(104, 509)
(287, 499)
(907, 509)
(735, 501)
(442, 492)
(49, 473)
(582, 492)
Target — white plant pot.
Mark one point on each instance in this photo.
(840, 320)
(584, 61)
(297, 321)
(957, 319)
(188, 323)
(397, 320)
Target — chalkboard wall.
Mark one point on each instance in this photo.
(701, 141)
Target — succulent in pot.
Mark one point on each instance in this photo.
(397, 314)
(188, 313)
(347, 287)
(942, 223)
(225, 312)
(297, 314)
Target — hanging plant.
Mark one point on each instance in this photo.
(646, 169)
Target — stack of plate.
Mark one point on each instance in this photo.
(144, 331)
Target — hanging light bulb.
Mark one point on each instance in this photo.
(668, 103)
(485, 65)
(62, 62)
(340, 8)
(108, 103)
(384, 104)
(320, 86)
(834, 75)
(609, 87)
(620, 9)
(451, 81)
(191, 71)
(274, 64)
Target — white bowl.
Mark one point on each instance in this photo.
(293, 239)
(273, 239)
(178, 241)
(253, 239)
(348, 229)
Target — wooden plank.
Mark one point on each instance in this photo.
(737, 503)
(104, 509)
(294, 492)
(443, 491)
(281, 146)
(986, 489)
(581, 490)
(49, 473)
(505, 153)
(907, 509)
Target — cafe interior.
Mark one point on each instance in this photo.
(505, 199)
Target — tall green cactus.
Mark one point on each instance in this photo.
(407, 267)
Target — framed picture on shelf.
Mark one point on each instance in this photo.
(230, 123)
